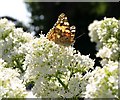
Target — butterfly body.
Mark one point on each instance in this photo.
(62, 33)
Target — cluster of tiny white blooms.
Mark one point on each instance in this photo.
(10, 84)
(56, 70)
(111, 53)
(93, 31)
(103, 82)
(11, 40)
(106, 34)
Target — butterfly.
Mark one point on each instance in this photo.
(62, 33)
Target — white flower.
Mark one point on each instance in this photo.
(106, 35)
(55, 69)
(11, 40)
(103, 82)
(10, 85)
(104, 53)
(93, 30)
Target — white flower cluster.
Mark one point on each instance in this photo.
(10, 85)
(106, 34)
(55, 69)
(103, 82)
(58, 71)
(11, 40)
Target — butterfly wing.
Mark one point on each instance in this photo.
(62, 33)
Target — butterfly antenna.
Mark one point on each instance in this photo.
(79, 36)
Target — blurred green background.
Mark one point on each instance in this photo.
(81, 14)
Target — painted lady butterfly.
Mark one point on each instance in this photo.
(62, 33)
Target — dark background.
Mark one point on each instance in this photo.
(81, 14)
